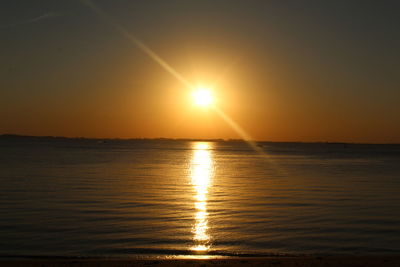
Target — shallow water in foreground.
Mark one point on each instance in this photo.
(71, 197)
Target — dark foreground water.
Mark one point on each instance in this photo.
(127, 198)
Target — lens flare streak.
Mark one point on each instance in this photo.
(137, 42)
(154, 56)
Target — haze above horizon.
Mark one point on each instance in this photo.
(306, 71)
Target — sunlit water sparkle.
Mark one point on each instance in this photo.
(124, 198)
(201, 175)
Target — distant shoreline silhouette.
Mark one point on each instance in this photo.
(105, 140)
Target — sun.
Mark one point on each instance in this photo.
(203, 97)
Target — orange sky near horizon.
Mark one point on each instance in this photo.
(278, 80)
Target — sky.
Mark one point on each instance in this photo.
(310, 71)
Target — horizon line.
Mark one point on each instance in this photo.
(12, 135)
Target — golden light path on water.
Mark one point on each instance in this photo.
(202, 163)
(201, 173)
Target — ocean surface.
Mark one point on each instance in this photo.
(92, 198)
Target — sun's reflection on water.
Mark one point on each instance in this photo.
(201, 174)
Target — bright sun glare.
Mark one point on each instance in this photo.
(203, 97)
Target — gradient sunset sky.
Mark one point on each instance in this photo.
(282, 70)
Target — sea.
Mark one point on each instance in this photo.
(63, 197)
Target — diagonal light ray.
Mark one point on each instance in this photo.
(239, 130)
(48, 15)
(138, 43)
